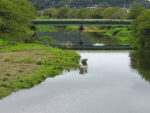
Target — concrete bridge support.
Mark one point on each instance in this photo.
(81, 29)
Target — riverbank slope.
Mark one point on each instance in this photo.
(24, 65)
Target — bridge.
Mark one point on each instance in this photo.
(90, 47)
(85, 22)
(79, 22)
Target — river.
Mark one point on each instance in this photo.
(110, 83)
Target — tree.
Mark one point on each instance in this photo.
(15, 15)
(104, 4)
(72, 13)
(83, 13)
(96, 13)
(50, 12)
(141, 30)
(43, 4)
(62, 12)
(115, 13)
(136, 11)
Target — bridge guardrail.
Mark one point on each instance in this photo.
(91, 47)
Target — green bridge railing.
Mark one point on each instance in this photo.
(91, 47)
(97, 22)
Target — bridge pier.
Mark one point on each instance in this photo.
(81, 29)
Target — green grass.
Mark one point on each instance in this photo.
(45, 28)
(122, 35)
(48, 39)
(30, 64)
(72, 29)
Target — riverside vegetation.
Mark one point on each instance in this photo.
(24, 65)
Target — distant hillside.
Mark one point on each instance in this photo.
(42, 4)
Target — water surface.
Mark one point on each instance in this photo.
(107, 85)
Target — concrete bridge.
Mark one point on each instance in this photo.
(90, 47)
(79, 22)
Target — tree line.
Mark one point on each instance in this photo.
(43, 4)
(84, 13)
(100, 13)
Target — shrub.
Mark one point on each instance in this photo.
(8, 74)
(39, 62)
(5, 78)
(45, 39)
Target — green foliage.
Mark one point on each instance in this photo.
(39, 63)
(141, 30)
(62, 12)
(136, 11)
(46, 39)
(96, 13)
(8, 74)
(5, 78)
(47, 29)
(84, 13)
(72, 13)
(60, 60)
(140, 61)
(114, 31)
(50, 12)
(123, 35)
(26, 61)
(15, 16)
(42, 4)
(115, 13)
(20, 70)
(57, 29)
(71, 29)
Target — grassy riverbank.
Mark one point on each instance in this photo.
(70, 29)
(24, 65)
(123, 35)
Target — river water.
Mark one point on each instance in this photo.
(110, 83)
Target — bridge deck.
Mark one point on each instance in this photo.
(97, 22)
(91, 47)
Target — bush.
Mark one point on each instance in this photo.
(141, 30)
(8, 74)
(123, 35)
(45, 39)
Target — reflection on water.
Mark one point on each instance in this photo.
(84, 67)
(140, 61)
(110, 86)
(101, 38)
(83, 70)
